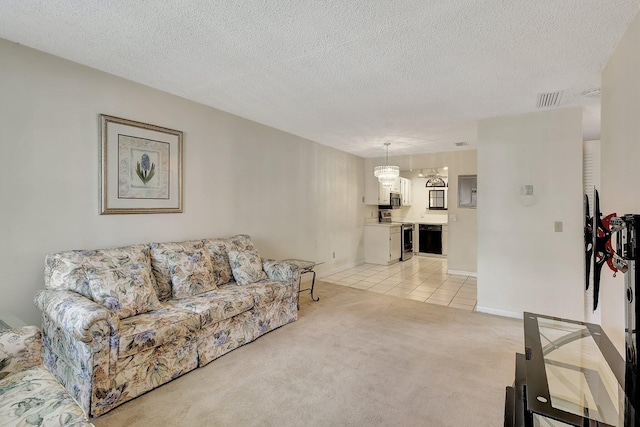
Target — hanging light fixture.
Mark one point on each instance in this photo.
(387, 174)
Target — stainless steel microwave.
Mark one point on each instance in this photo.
(394, 202)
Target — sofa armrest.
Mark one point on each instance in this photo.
(19, 349)
(281, 271)
(74, 313)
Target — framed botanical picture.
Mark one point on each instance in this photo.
(140, 168)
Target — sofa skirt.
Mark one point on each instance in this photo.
(222, 337)
(139, 373)
(72, 361)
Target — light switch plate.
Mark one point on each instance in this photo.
(557, 226)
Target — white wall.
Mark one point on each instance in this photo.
(295, 197)
(620, 152)
(523, 265)
(462, 256)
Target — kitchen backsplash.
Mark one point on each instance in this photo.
(415, 215)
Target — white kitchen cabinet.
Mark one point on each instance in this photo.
(405, 191)
(371, 189)
(374, 193)
(384, 195)
(381, 244)
(409, 192)
(395, 188)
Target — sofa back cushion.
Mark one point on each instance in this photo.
(160, 255)
(219, 249)
(246, 266)
(68, 270)
(219, 260)
(191, 273)
(126, 291)
(239, 242)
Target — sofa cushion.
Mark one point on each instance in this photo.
(34, 397)
(68, 270)
(265, 293)
(220, 260)
(155, 328)
(191, 273)
(246, 266)
(219, 249)
(160, 254)
(126, 291)
(239, 242)
(217, 305)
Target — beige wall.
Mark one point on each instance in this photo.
(620, 159)
(295, 197)
(523, 265)
(463, 241)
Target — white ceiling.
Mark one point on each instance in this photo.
(346, 73)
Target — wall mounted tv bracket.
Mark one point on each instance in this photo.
(598, 251)
(598, 247)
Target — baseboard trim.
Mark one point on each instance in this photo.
(463, 273)
(498, 312)
(335, 270)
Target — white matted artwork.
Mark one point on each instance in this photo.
(140, 167)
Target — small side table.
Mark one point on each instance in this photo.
(305, 267)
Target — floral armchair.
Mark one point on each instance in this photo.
(29, 394)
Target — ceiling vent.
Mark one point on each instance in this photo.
(461, 143)
(551, 99)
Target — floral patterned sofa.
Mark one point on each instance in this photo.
(29, 394)
(119, 322)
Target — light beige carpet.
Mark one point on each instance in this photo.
(355, 358)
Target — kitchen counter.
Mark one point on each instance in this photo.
(426, 221)
(422, 221)
(382, 243)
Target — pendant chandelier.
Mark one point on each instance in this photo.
(387, 174)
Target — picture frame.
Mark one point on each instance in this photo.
(140, 167)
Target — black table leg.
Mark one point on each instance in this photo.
(313, 283)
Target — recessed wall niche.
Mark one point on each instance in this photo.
(468, 191)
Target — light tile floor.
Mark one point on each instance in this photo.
(421, 278)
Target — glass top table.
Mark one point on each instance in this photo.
(574, 374)
(10, 321)
(305, 267)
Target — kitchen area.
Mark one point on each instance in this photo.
(407, 239)
(419, 232)
(413, 216)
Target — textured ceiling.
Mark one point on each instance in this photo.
(346, 73)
